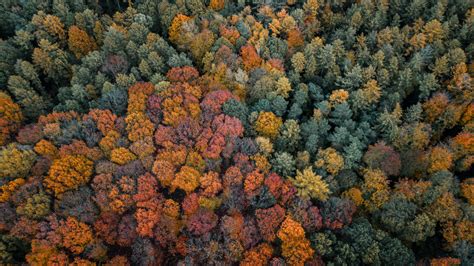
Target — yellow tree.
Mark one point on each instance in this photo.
(268, 124)
(369, 94)
(330, 160)
(311, 8)
(338, 96)
(439, 158)
(376, 187)
(433, 30)
(122, 156)
(310, 185)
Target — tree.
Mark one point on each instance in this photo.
(283, 164)
(122, 156)
(435, 106)
(217, 4)
(49, 23)
(80, 43)
(445, 261)
(250, 58)
(268, 221)
(46, 149)
(329, 160)
(310, 185)
(118, 260)
(10, 118)
(289, 136)
(298, 62)
(338, 96)
(337, 213)
(369, 94)
(74, 203)
(139, 126)
(75, 235)
(148, 215)
(268, 124)
(394, 251)
(12, 249)
(52, 60)
(381, 156)
(180, 100)
(175, 30)
(462, 147)
(295, 39)
(15, 161)
(439, 159)
(186, 179)
(7, 189)
(283, 87)
(138, 95)
(419, 229)
(311, 7)
(295, 247)
(376, 188)
(202, 222)
(182, 74)
(43, 253)
(164, 171)
(210, 183)
(396, 213)
(259, 255)
(433, 30)
(219, 137)
(29, 134)
(361, 236)
(68, 172)
(36, 207)
(201, 44)
(445, 208)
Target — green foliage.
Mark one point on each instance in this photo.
(283, 164)
(396, 214)
(12, 249)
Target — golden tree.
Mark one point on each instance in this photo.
(80, 43)
(310, 185)
(68, 172)
(186, 179)
(268, 124)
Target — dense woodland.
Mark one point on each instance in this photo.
(197, 132)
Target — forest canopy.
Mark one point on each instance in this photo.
(218, 132)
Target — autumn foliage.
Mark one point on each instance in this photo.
(68, 172)
(236, 132)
